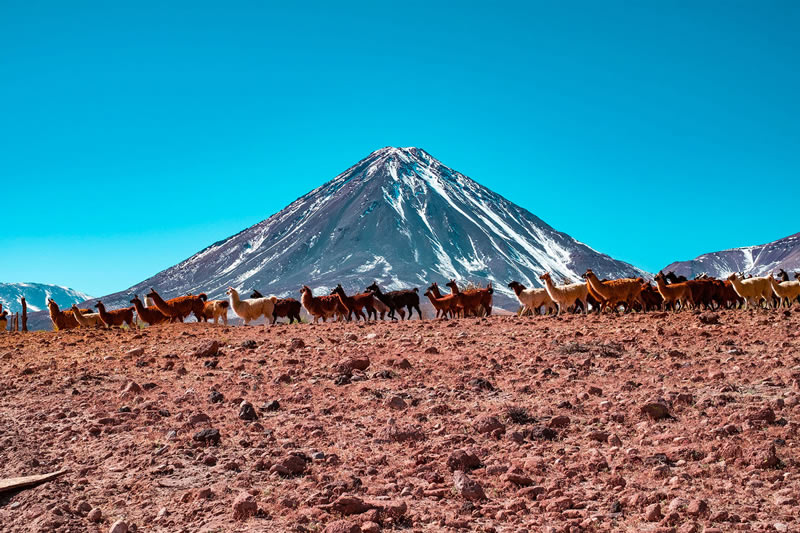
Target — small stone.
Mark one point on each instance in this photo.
(95, 515)
(599, 436)
(199, 418)
(207, 436)
(350, 505)
(560, 421)
(244, 506)
(595, 391)
(697, 508)
(206, 350)
(656, 410)
(131, 389)
(370, 527)
(487, 424)
(136, 352)
(83, 507)
(247, 411)
(462, 460)
(209, 460)
(216, 397)
(467, 487)
(119, 527)
(342, 526)
(613, 440)
(297, 344)
(272, 406)
(652, 513)
(396, 402)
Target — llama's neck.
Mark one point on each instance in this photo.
(597, 285)
(137, 304)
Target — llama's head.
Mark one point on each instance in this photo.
(516, 286)
(452, 284)
(99, 305)
(546, 277)
(304, 289)
(231, 291)
(374, 288)
(588, 273)
(136, 299)
(338, 290)
(659, 277)
(152, 293)
(732, 276)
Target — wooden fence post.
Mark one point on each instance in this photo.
(24, 314)
(16, 321)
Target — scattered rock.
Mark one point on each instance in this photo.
(131, 389)
(207, 349)
(342, 526)
(656, 411)
(560, 421)
(462, 460)
(297, 344)
(216, 397)
(272, 405)
(244, 506)
(467, 487)
(119, 526)
(652, 513)
(136, 352)
(396, 402)
(207, 437)
(95, 515)
(487, 424)
(247, 411)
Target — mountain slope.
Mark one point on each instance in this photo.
(757, 260)
(398, 216)
(36, 295)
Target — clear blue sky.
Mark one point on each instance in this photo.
(132, 136)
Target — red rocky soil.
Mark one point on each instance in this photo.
(661, 422)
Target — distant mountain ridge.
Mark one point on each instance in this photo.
(36, 295)
(756, 260)
(400, 217)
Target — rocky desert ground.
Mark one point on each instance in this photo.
(659, 422)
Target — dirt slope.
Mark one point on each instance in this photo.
(545, 415)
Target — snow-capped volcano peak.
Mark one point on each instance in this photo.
(399, 216)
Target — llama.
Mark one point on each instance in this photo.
(150, 315)
(284, 308)
(616, 291)
(532, 299)
(444, 305)
(673, 293)
(752, 290)
(61, 319)
(89, 320)
(396, 300)
(177, 309)
(215, 309)
(786, 291)
(253, 308)
(651, 297)
(565, 295)
(323, 307)
(474, 299)
(355, 303)
(672, 278)
(116, 317)
(3, 320)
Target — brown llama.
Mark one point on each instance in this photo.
(116, 317)
(150, 315)
(177, 309)
(474, 299)
(323, 307)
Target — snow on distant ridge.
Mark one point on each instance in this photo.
(36, 295)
